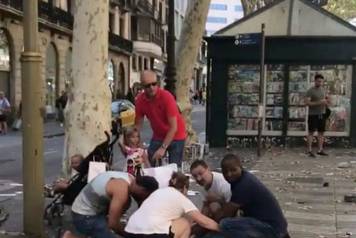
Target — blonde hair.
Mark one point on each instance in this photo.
(129, 131)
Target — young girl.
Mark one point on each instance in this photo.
(135, 154)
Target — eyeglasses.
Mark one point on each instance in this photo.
(150, 84)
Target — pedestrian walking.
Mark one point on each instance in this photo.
(317, 101)
(167, 124)
(61, 103)
(5, 109)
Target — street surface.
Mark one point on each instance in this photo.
(310, 190)
(11, 163)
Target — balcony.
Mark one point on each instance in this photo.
(16, 4)
(117, 42)
(55, 15)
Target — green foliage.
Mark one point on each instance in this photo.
(346, 9)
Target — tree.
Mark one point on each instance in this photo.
(88, 112)
(187, 52)
(346, 9)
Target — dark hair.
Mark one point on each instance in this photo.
(179, 180)
(197, 163)
(318, 76)
(147, 182)
(231, 157)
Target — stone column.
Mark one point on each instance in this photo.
(116, 26)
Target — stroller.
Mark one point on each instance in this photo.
(102, 153)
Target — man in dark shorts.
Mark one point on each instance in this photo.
(316, 99)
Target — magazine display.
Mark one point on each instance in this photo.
(274, 97)
(337, 83)
(243, 97)
(298, 86)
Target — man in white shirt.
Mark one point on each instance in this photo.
(217, 188)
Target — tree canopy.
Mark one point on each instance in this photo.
(346, 9)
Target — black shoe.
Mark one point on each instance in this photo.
(311, 154)
(322, 153)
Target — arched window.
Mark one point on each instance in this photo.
(51, 78)
(111, 77)
(4, 63)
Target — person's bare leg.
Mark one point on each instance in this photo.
(69, 234)
(181, 228)
(5, 128)
(321, 141)
(310, 141)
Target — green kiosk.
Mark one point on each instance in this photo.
(302, 39)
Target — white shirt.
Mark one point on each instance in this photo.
(220, 187)
(157, 212)
(4, 104)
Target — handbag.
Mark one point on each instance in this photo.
(95, 168)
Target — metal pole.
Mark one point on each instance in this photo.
(33, 201)
(171, 69)
(261, 104)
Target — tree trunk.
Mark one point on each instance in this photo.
(187, 52)
(88, 113)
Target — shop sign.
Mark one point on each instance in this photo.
(248, 39)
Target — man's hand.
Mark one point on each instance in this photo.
(323, 102)
(211, 197)
(159, 154)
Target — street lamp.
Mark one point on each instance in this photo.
(32, 124)
(171, 68)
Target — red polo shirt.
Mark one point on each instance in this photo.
(158, 110)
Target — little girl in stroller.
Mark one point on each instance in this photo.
(134, 152)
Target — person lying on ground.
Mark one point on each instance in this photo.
(163, 213)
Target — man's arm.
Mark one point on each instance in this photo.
(118, 191)
(229, 209)
(203, 220)
(308, 102)
(168, 139)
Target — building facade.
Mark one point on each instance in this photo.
(55, 36)
(148, 34)
(222, 13)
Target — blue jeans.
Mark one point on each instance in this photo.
(175, 151)
(243, 227)
(93, 226)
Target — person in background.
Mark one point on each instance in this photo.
(317, 100)
(5, 109)
(167, 124)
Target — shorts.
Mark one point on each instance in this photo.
(175, 151)
(316, 123)
(92, 226)
(3, 118)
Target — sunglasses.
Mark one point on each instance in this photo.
(150, 84)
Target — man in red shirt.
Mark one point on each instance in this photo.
(160, 108)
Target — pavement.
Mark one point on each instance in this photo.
(310, 190)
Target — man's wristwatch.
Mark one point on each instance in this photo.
(164, 146)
